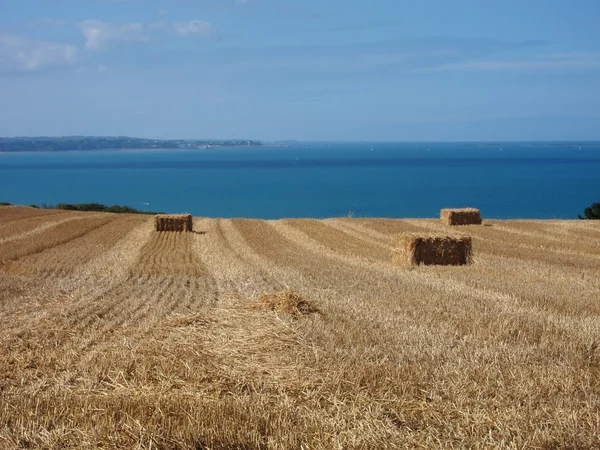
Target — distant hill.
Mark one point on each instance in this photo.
(90, 143)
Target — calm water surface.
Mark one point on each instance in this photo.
(525, 180)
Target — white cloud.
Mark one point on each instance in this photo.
(194, 28)
(98, 34)
(27, 55)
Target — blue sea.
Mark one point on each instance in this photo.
(503, 180)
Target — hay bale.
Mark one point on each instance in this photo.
(415, 249)
(460, 216)
(173, 222)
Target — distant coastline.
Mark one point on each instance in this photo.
(120, 143)
(75, 144)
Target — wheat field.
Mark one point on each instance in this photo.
(117, 336)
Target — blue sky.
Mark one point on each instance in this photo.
(308, 70)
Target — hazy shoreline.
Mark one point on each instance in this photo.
(143, 150)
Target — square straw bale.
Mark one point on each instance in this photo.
(173, 222)
(416, 249)
(460, 216)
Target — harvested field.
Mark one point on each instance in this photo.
(12, 213)
(169, 254)
(47, 237)
(340, 241)
(62, 259)
(296, 334)
(15, 229)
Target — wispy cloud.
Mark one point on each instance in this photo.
(551, 62)
(194, 28)
(19, 54)
(99, 35)
(407, 55)
(568, 56)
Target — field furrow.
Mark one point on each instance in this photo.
(262, 244)
(70, 299)
(145, 296)
(165, 297)
(134, 299)
(568, 239)
(132, 287)
(226, 259)
(178, 277)
(339, 241)
(359, 231)
(17, 230)
(169, 253)
(540, 285)
(391, 227)
(67, 258)
(558, 230)
(53, 236)
(12, 213)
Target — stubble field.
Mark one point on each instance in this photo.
(116, 336)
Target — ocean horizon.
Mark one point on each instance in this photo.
(512, 180)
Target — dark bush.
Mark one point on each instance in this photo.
(592, 212)
(98, 207)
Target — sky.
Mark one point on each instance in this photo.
(384, 70)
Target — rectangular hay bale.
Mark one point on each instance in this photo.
(415, 249)
(460, 216)
(173, 222)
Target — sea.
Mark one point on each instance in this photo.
(516, 180)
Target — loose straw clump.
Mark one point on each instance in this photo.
(286, 302)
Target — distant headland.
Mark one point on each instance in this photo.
(91, 143)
